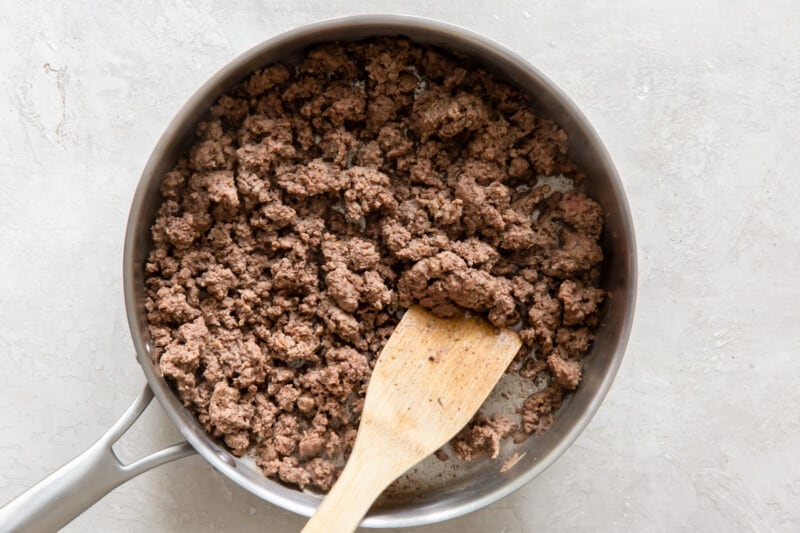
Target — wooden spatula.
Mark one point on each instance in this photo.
(430, 379)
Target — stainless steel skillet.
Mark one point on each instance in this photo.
(424, 499)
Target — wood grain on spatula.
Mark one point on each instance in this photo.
(430, 379)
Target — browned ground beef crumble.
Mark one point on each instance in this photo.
(317, 202)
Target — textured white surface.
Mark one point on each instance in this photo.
(698, 103)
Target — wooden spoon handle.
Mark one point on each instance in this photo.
(360, 484)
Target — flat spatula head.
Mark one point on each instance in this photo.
(430, 379)
(433, 375)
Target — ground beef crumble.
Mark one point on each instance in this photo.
(320, 199)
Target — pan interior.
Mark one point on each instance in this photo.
(435, 490)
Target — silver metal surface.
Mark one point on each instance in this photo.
(471, 485)
(56, 500)
(481, 483)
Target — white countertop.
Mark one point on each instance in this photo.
(698, 103)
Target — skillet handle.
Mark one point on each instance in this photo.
(60, 497)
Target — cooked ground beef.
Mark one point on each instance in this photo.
(320, 199)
